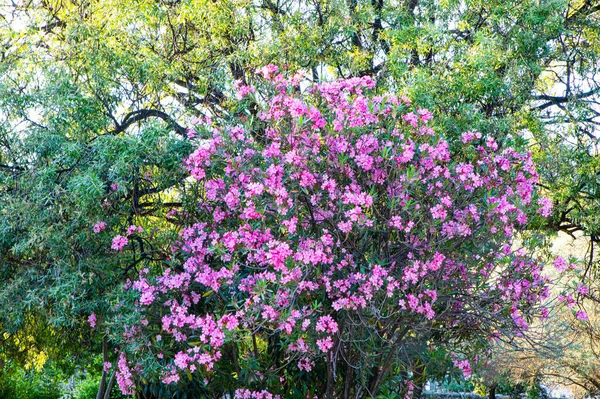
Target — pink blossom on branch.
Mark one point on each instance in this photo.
(560, 264)
(100, 226)
(545, 207)
(582, 315)
(119, 242)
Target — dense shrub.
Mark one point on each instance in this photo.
(327, 239)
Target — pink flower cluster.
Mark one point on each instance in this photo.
(134, 229)
(100, 226)
(124, 376)
(242, 90)
(248, 394)
(92, 320)
(582, 315)
(119, 242)
(464, 366)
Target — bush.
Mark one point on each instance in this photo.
(324, 239)
(19, 383)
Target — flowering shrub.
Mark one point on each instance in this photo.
(328, 239)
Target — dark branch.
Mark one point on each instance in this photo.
(13, 168)
(142, 114)
(556, 100)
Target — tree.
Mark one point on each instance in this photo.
(327, 238)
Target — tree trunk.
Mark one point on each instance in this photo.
(419, 377)
(329, 392)
(492, 394)
(349, 375)
(1, 372)
(100, 394)
(111, 384)
(381, 369)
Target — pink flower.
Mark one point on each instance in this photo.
(425, 115)
(412, 119)
(327, 324)
(545, 207)
(560, 264)
(124, 376)
(582, 289)
(291, 224)
(242, 90)
(191, 133)
(230, 322)
(465, 367)
(119, 242)
(267, 71)
(581, 315)
(396, 222)
(413, 302)
(439, 212)
(133, 229)
(315, 116)
(92, 320)
(345, 227)
(470, 136)
(232, 198)
(306, 364)
(253, 189)
(170, 378)
(297, 108)
(98, 227)
(325, 344)
(305, 324)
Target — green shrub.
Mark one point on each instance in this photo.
(18, 383)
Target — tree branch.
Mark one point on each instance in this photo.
(142, 114)
(556, 100)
